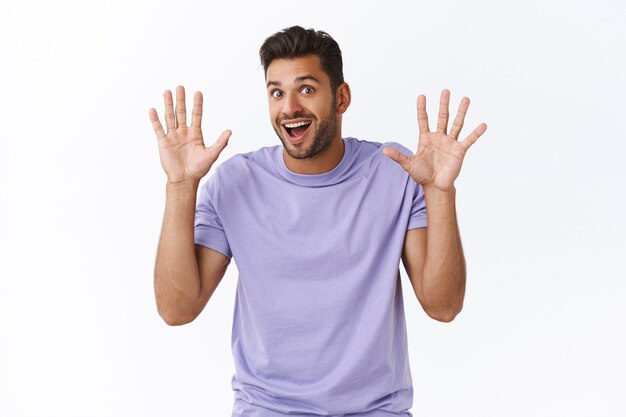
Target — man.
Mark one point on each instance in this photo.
(317, 227)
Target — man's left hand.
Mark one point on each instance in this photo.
(437, 162)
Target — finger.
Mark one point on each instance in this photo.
(181, 112)
(422, 117)
(457, 125)
(397, 156)
(196, 112)
(473, 137)
(156, 124)
(170, 120)
(219, 145)
(442, 119)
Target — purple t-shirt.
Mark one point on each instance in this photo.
(318, 324)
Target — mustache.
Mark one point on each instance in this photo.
(296, 115)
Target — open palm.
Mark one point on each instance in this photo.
(183, 154)
(439, 155)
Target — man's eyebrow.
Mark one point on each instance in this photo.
(298, 80)
(306, 77)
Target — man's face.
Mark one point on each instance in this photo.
(302, 105)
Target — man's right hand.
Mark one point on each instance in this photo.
(183, 154)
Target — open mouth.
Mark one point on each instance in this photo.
(296, 130)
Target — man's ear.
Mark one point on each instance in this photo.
(344, 96)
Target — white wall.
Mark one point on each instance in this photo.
(540, 196)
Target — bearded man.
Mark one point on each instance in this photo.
(317, 226)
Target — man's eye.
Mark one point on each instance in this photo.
(307, 90)
(277, 94)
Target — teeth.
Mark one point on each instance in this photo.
(292, 125)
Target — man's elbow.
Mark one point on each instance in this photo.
(175, 321)
(174, 318)
(445, 315)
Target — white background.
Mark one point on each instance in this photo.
(540, 196)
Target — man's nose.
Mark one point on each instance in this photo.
(291, 105)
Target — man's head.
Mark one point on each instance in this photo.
(296, 42)
(306, 90)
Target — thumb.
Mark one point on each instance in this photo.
(397, 156)
(219, 145)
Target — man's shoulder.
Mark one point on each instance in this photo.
(245, 161)
(370, 157)
(376, 148)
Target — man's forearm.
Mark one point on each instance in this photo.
(444, 267)
(176, 276)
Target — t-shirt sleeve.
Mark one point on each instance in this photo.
(417, 218)
(208, 229)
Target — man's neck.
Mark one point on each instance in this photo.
(322, 162)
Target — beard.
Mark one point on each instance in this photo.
(322, 138)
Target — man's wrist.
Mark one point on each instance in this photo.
(439, 193)
(182, 187)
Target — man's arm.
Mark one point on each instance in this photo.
(185, 275)
(433, 258)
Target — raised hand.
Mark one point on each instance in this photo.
(439, 155)
(183, 154)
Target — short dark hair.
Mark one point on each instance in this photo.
(295, 42)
